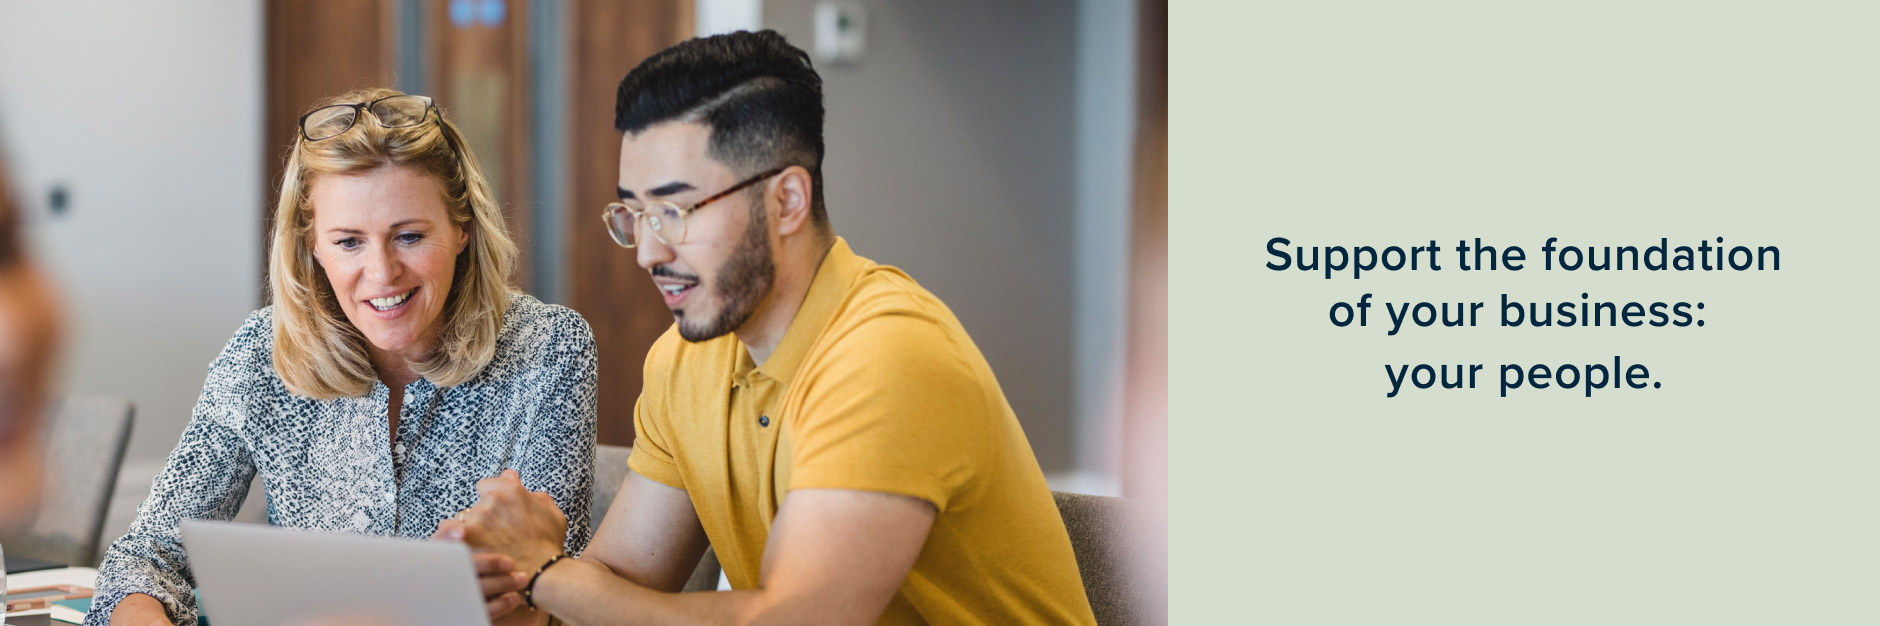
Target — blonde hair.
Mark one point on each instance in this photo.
(317, 352)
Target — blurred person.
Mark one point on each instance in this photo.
(29, 336)
(822, 420)
(395, 367)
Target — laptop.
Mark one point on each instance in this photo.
(260, 575)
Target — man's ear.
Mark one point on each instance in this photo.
(791, 191)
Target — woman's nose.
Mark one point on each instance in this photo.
(383, 265)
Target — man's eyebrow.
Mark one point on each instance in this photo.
(669, 189)
(662, 190)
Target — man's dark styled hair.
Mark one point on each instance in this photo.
(759, 94)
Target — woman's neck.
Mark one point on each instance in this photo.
(394, 369)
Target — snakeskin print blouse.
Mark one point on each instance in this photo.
(331, 464)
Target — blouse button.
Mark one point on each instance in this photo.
(763, 420)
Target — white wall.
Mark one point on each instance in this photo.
(149, 113)
(723, 16)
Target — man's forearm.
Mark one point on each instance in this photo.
(586, 593)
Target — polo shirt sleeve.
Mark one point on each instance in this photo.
(652, 454)
(651, 458)
(892, 407)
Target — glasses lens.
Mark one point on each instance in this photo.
(620, 224)
(667, 221)
(328, 122)
(398, 111)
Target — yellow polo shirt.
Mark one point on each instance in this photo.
(874, 387)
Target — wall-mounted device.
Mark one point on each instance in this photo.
(840, 28)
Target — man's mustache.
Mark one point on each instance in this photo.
(662, 271)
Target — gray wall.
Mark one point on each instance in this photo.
(951, 154)
(150, 114)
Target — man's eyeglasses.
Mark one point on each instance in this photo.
(664, 219)
(392, 112)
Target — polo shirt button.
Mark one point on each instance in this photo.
(763, 420)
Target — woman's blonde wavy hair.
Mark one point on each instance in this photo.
(317, 352)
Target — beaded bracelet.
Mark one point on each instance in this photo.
(528, 593)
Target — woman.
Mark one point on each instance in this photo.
(394, 369)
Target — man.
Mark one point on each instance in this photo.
(822, 420)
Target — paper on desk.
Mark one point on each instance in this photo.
(67, 615)
(76, 576)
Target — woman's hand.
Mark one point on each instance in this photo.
(508, 526)
(139, 610)
(509, 519)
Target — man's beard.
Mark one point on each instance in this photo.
(742, 282)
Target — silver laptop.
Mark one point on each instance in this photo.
(259, 575)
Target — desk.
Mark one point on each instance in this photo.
(75, 576)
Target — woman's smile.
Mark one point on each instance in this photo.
(393, 302)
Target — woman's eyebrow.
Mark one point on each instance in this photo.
(395, 225)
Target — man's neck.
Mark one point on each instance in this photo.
(796, 270)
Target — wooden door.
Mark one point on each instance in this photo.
(604, 284)
(315, 49)
(1145, 423)
(479, 76)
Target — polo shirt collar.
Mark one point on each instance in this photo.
(838, 272)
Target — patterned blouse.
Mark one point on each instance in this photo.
(330, 464)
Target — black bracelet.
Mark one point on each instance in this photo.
(528, 593)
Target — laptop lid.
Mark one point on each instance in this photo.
(255, 574)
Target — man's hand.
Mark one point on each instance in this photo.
(509, 519)
(502, 584)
